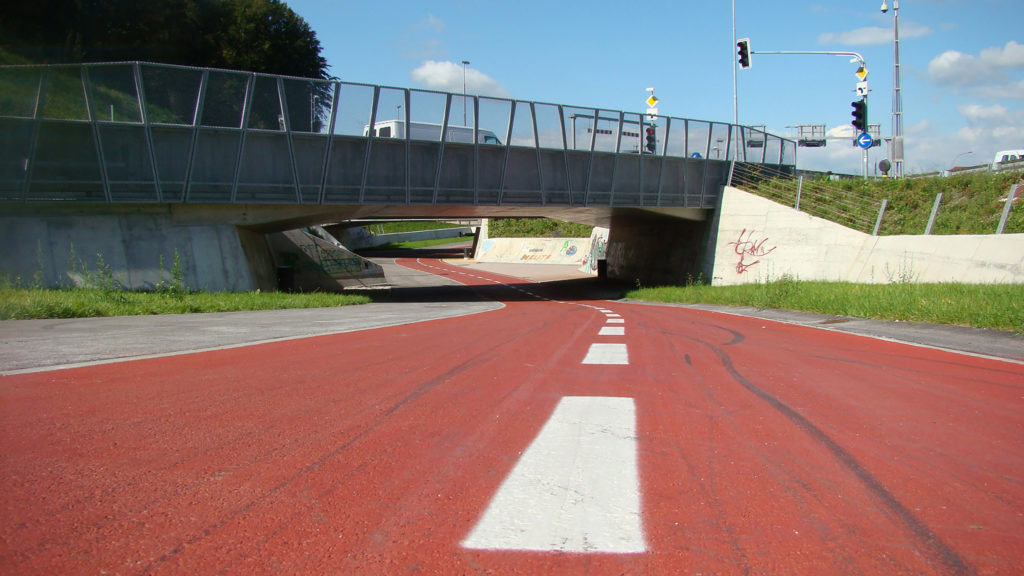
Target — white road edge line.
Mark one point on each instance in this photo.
(575, 489)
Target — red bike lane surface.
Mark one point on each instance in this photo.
(762, 449)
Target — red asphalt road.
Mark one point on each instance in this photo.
(764, 448)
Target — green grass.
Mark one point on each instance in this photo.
(410, 226)
(996, 306)
(413, 244)
(27, 303)
(971, 203)
(536, 228)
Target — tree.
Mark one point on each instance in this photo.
(251, 35)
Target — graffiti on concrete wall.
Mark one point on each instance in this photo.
(750, 250)
(598, 250)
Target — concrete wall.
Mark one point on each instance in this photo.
(759, 240)
(567, 251)
(307, 263)
(40, 242)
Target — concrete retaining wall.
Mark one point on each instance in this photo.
(56, 246)
(40, 243)
(307, 263)
(584, 253)
(759, 240)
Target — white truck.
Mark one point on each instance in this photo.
(1007, 156)
(429, 131)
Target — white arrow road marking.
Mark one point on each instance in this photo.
(575, 489)
(607, 354)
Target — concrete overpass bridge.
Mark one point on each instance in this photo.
(138, 160)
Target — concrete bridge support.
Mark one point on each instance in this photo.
(55, 246)
(218, 249)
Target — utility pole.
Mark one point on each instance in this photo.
(464, 97)
(896, 149)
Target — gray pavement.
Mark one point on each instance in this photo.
(32, 345)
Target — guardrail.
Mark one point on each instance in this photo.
(142, 132)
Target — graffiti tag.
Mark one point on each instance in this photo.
(749, 248)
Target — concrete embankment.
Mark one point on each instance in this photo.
(759, 240)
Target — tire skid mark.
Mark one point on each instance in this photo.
(938, 549)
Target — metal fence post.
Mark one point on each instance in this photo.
(799, 190)
(935, 210)
(881, 211)
(1006, 209)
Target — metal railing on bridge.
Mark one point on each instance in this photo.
(140, 132)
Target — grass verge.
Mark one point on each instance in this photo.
(29, 303)
(995, 306)
(411, 245)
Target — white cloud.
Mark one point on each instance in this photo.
(990, 67)
(860, 36)
(447, 77)
(1009, 56)
(976, 113)
(431, 23)
(873, 35)
(959, 69)
(419, 41)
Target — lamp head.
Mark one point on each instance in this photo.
(885, 7)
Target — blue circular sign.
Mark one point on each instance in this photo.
(865, 140)
(695, 155)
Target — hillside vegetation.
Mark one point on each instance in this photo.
(971, 203)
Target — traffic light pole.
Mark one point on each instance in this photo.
(856, 58)
(856, 55)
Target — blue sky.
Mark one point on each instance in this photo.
(962, 63)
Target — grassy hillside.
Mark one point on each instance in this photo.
(971, 203)
(536, 228)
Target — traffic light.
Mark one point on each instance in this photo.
(743, 49)
(860, 115)
(651, 143)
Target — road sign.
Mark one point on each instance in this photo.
(652, 114)
(862, 88)
(652, 101)
(865, 140)
(862, 73)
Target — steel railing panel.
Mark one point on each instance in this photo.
(145, 132)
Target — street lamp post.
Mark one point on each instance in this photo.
(896, 148)
(464, 64)
(957, 157)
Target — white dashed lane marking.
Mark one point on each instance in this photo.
(575, 489)
(612, 331)
(601, 353)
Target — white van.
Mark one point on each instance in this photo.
(428, 131)
(1008, 156)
